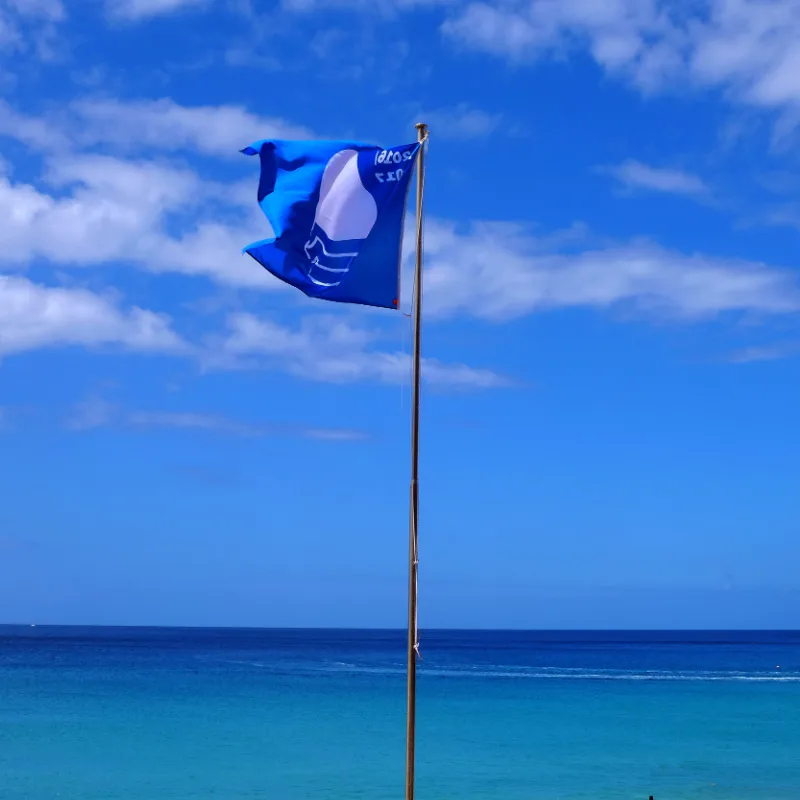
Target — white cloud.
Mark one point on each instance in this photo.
(614, 31)
(750, 48)
(34, 132)
(33, 316)
(112, 210)
(145, 126)
(96, 412)
(137, 10)
(165, 125)
(635, 175)
(498, 271)
(461, 122)
(752, 45)
(92, 209)
(325, 348)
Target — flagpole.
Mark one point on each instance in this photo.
(413, 559)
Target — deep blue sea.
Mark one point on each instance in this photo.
(151, 714)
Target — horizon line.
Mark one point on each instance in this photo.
(365, 629)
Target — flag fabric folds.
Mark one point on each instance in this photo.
(336, 211)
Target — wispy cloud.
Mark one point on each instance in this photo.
(40, 9)
(747, 47)
(460, 122)
(28, 27)
(786, 215)
(15, 15)
(90, 209)
(368, 6)
(34, 132)
(96, 412)
(500, 271)
(331, 349)
(146, 126)
(114, 210)
(322, 348)
(636, 175)
(773, 352)
(212, 423)
(33, 316)
(165, 125)
(138, 10)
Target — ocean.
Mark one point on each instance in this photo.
(157, 714)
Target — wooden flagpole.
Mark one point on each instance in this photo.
(413, 559)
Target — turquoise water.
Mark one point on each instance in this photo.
(144, 714)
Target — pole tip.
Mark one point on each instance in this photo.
(422, 129)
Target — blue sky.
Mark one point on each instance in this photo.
(609, 433)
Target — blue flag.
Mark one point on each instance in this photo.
(337, 211)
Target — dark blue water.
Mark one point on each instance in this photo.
(96, 713)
